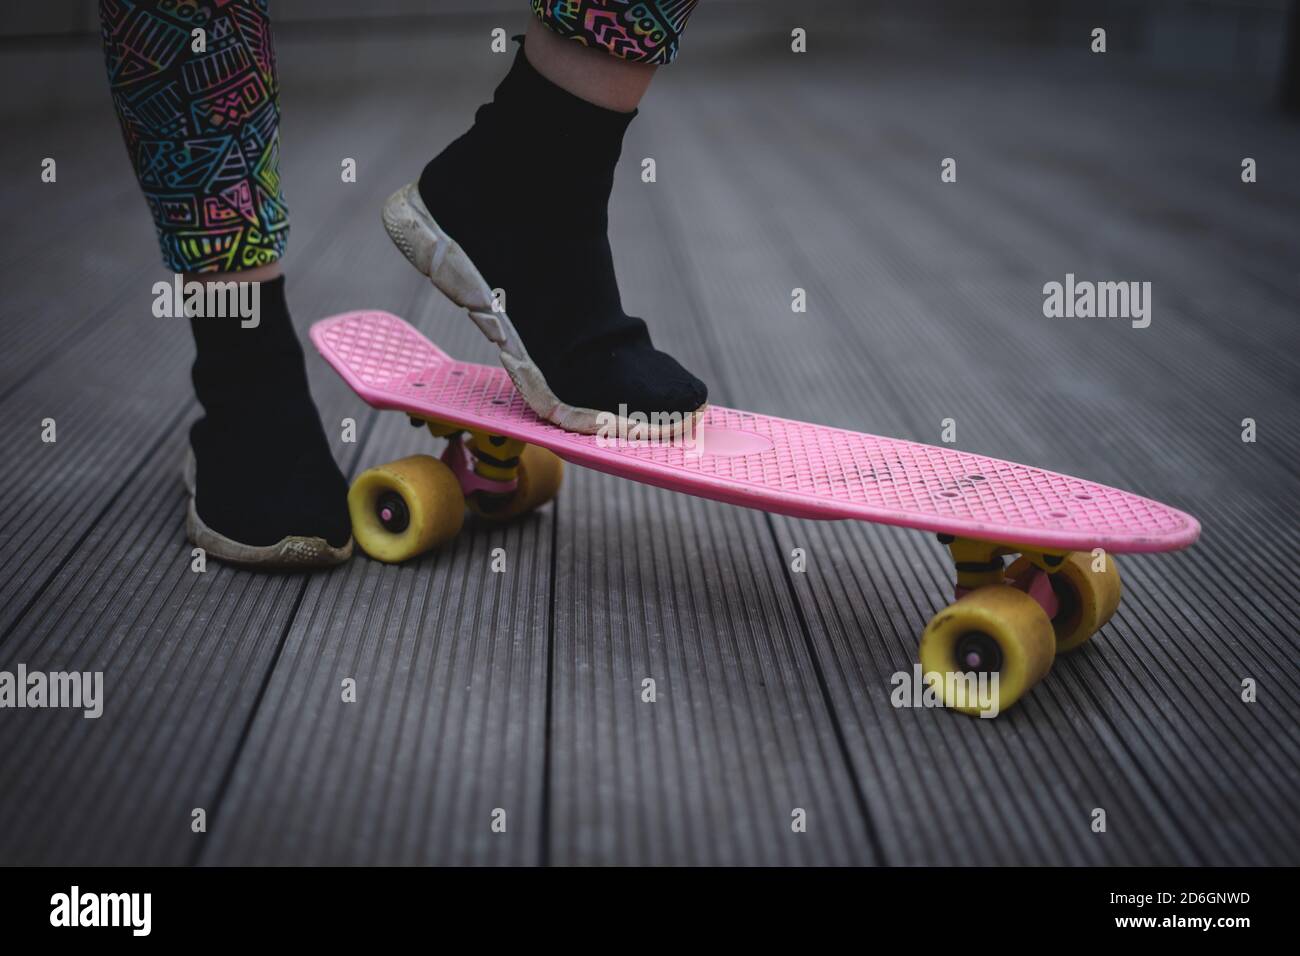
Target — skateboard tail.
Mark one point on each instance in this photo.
(370, 364)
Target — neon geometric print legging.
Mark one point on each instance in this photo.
(200, 113)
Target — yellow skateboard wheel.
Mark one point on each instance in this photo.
(995, 630)
(404, 508)
(1087, 598)
(540, 475)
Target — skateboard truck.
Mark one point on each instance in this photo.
(490, 469)
(1013, 621)
(979, 564)
(486, 466)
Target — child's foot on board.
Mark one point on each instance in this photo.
(519, 203)
(264, 488)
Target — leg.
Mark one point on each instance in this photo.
(586, 72)
(202, 131)
(524, 195)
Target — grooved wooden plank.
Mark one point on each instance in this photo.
(1213, 323)
(183, 656)
(1195, 762)
(86, 247)
(186, 656)
(692, 595)
(450, 658)
(448, 726)
(106, 427)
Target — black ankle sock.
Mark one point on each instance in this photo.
(525, 193)
(265, 471)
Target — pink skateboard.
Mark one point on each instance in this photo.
(978, 655)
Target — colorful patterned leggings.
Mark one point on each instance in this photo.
(200, 111)
(644, 31)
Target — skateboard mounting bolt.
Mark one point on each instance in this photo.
(392, 512)
(977, 652)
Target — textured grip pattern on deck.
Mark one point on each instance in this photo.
(808, 471)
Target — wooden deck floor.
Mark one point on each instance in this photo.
(521, 691)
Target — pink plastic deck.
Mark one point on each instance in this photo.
(773, 464)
